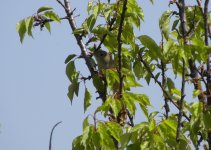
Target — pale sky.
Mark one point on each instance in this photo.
(33, 84)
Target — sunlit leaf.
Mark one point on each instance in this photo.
(52, 15)
(91, 22)
(164, 23)
(44, 8)
(125, 138)
(29, 25)
(115, 129)
(21, 28)
(148, 42)
(48, 26)
(105, 139)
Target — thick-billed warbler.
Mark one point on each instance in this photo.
(104, 59)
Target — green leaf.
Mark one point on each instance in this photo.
(170, 84)
(21, 28)
(98, 83)
(91, 22)
(85, 123)
(116, 106)
(69, 58)
(175, 25)
(48, 26)
(76, 144)
(87, 99)
(105, 139)
(207, 119)
(96, 10)
(115, 129)
(125, 138)
(29, 25)
(79, 31)
(152, 1)
(138, 69)
(130, 104)
(154, 49)
(70, 70)
(44, 8)
(164, 23)
(52, 15)
(196, 93)
(89, 6)
(73, 89)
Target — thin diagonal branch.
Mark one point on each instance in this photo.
(62, 5)
(160, 85)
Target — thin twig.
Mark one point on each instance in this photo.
(62, 5)
(51, 136)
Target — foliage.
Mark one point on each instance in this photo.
(138, 58)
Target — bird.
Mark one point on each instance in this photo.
(104, 59)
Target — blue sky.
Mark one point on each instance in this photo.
(33, 84)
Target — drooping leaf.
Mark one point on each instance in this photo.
(52, 15)
(115, 129)
(76, 144)
(70, 70)
(85, 122)
(170, 84)
(48, 26)
(89, 6)
(105, 139)
(73, 89)
(98, 83)
(87, 99)
(116, 106)
(175, 25)
(154, 49)
(91, 22)
(125, 138)
(164, 23)
(21, 28)
(29, 25)
(44, 8)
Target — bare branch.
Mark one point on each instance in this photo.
(51, 136)
(62, 5)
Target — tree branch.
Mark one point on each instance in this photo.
(84, 52)
(181, 102)
(51, 136)
(124, 8)
(160, 85)
(182, 15)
